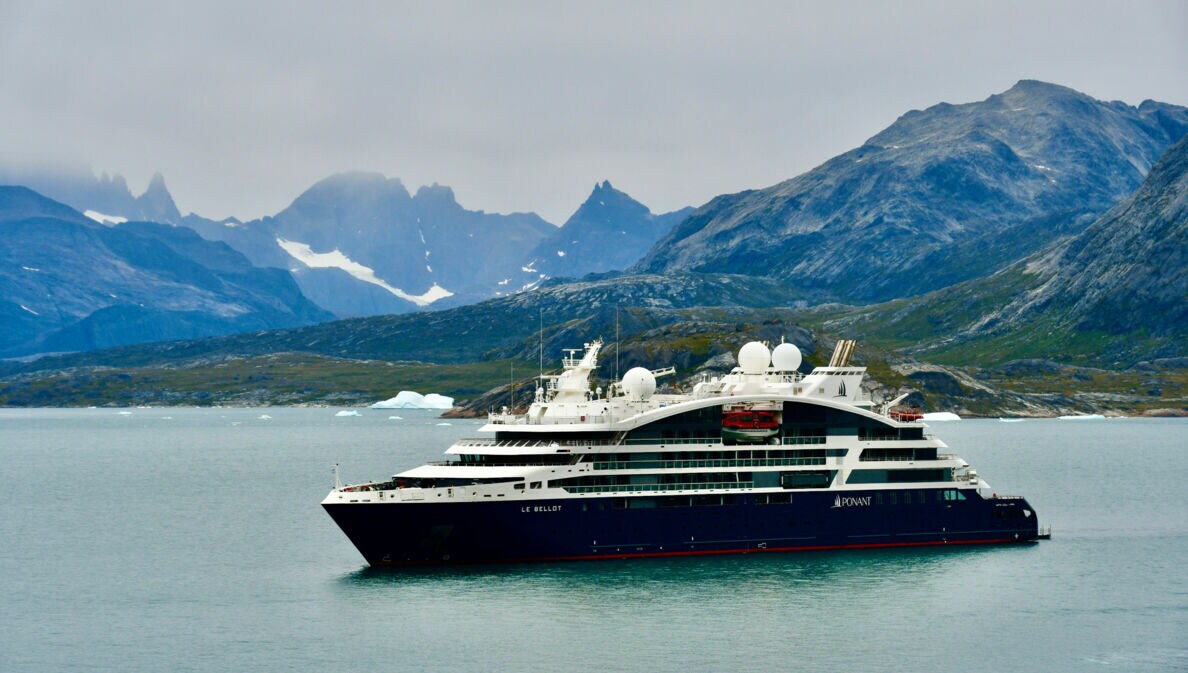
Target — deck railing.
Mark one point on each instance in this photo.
(640, 488)
(684, 464)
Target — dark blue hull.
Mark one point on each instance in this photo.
(621, 527)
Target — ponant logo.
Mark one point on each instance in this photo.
(850, 501)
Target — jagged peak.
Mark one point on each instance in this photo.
(604, 190)
(116, 180)
(437, 193)
(156, 203)
(156, 185)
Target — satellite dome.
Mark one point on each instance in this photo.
(754, 358)
(786, 357)
(639, 384)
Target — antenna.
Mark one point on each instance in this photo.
(542, 343)
(617, 377)
(511, 385)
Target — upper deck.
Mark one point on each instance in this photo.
(565, 403)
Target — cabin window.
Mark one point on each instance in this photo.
(898, 453)
(807, 479)
(895, 476)
(773, 499)
(535, 484)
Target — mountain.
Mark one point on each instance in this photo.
(361, 244)
(106, 197)
(69, 283)
(941, 196)
(571, 312)
(1113, 295)
(609, 232)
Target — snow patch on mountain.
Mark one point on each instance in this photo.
(102, 218)
(335, 259)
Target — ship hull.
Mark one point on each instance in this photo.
(393, 534)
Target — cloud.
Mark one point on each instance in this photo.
(523, 106)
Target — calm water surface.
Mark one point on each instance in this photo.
(192, 540)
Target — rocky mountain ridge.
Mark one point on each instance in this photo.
(1110, 296)
(942, 195)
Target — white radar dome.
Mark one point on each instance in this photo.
(639, 384)
(754, 358)
(786, 357)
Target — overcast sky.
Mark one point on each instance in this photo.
(524, 106)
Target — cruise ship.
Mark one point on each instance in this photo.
(763, 459)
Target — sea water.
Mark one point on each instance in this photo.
(192, 540)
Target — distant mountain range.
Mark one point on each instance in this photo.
(361, 244)
(982, 198)
(68, 283)
(943, 195)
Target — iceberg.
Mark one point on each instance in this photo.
(941, 416)
(1083, 417)
(408, 399)
(348, 412)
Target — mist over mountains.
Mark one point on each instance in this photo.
(76, 186)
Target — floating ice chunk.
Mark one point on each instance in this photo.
(348, 412)
(941, 416)
(409, 399)
(1011, 420)
(1083, 417)
(124, 413)
(444, 424)
(265, 417)
(395, 418)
